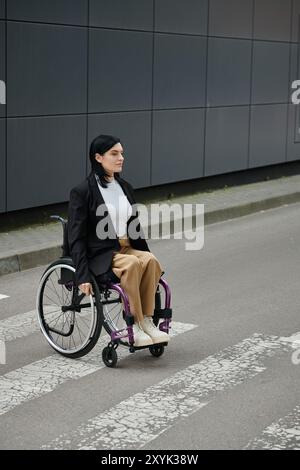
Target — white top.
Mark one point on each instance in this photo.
(118, 206)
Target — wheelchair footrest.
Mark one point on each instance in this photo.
(139, 348)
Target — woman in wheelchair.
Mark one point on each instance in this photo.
(100, 251)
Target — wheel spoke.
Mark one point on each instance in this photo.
(54, 288)
(74, 331)
(113, 312)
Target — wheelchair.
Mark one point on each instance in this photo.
(72, 322)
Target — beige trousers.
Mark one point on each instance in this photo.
(139, 273)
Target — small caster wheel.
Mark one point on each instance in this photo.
(156, 350)
(109, 356)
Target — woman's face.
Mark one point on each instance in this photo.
(112, 160)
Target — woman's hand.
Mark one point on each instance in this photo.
(86, 288)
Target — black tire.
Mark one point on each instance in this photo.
(109, 356)
(156, 350)
(95, 317)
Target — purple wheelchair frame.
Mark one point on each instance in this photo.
(165, 313)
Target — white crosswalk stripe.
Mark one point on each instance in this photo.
(45, 375)
(18, 326)
(3, 296)
(180, 395)
(22, 324)
(284, 434)
(294, 339)
(161, 405)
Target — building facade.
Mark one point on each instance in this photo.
(192, 87)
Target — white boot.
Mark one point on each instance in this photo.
(153, 331)
(140, 337)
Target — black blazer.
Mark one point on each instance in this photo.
(88, 252)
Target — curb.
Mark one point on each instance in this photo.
(250, 208)
(31, 259)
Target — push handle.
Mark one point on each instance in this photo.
(58, 217)
(65, 245)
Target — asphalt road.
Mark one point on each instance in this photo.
(226, 380)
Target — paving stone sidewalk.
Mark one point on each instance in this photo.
(40, 244)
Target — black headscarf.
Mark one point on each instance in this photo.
(102, 144)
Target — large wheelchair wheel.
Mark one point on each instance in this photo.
(70, 321)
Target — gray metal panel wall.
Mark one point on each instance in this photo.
(2, 115)
(2, 8)
(295, 20)
(134, 131)
(178, 145)
(268, 134)
(293, 137)
(44, 159)
(176, 16)
(227, 131)
(207, 81)
(2, 166)
(272, 19)
(229, 72)
(231, 18)
(120, 70)
(2, 63)
(73, 12)
(179, 71)
(129, 14)
(270, 72)
(46, 69)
